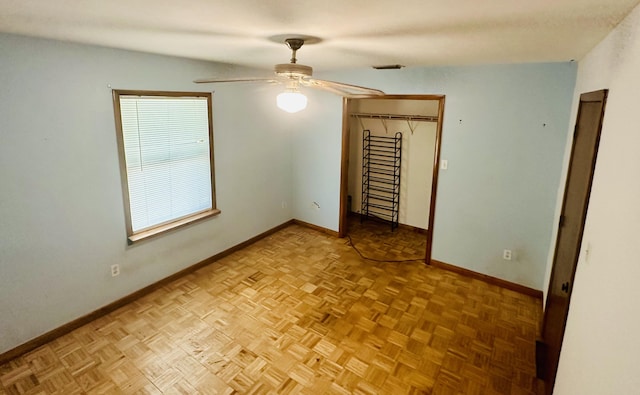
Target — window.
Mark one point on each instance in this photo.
(165, 142)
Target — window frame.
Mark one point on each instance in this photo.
(175, 223)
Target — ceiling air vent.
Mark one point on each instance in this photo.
(388, 67)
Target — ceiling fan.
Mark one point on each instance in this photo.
(293, 75)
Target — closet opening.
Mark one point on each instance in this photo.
(389, 175)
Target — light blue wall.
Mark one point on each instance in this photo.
(61, 210)
(504, 137)
(61, 205)
(316, 153)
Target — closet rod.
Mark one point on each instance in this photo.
(400, 117)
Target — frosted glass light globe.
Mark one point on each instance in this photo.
(291, 101)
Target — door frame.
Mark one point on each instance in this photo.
(344, 162)
(549, 370)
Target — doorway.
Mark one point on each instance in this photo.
(419, 118)
(570, 229)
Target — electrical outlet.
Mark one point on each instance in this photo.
(115, 270)
(444, 164)
(506, 255)
(284, 204)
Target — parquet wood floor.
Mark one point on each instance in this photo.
(298, 312)
(376, 240)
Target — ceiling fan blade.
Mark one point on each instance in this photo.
(218, 80)
(342, 88)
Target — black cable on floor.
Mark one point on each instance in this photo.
(380, 260)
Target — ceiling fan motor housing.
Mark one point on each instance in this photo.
(293, 70)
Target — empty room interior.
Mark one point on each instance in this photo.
(249, 197)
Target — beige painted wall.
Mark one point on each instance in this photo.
(601, 345)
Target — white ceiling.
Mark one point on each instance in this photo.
(354, 33)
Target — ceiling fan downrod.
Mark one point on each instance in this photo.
(294, 45)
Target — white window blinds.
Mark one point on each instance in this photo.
(167, 155)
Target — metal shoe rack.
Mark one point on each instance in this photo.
(381, 156)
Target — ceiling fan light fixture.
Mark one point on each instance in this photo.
(291, 101)
(295, 74)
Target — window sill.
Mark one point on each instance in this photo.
(136, 237)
